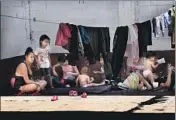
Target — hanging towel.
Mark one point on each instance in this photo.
(84, 34)
(132, 49)
(63, 35)
(144, 37)
(119, 47)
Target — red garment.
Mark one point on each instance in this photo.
(63, 35)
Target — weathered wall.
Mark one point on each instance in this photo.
(15, 33)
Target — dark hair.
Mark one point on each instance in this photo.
(150, 54)
(44, 37)
(61, 58)
(28, 51)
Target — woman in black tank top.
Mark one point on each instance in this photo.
(24, 82)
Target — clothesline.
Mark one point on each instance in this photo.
(34, 20)
(42, 21)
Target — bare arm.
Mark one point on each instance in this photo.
(49, 59)
(91, 79)
(24, 73)
(54, 69)
(77, 81)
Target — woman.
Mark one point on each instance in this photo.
(70, 72)
(23, 76)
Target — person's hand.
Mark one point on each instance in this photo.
(170, 68)
(55, 74)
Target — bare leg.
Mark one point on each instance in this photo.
(95, 84)
(29, 88)
(144, 81)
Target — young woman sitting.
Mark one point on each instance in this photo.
(23, 81)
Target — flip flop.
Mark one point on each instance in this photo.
(54, 98)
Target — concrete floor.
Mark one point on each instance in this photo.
(91, 103)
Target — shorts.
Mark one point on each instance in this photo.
(45, 71)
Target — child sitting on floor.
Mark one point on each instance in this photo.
(150, 65)
(84, 80)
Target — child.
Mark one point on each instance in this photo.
(102, 67)
(43, 59)
(84, 80)
(102, 72)
(69, 72)
(150, 65)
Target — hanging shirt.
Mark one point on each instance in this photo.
(158, 29)
(162, 25)
(166, 17)
(84, 35)
(63, 35)
(43, 57)
(132, 49)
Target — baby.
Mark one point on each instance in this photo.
(150, 65)
(84, 80)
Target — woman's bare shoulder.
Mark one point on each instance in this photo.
(22, 65)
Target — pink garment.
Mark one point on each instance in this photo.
(132, 49)
(63, 35)
(66, 69)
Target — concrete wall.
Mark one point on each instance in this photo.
(15, 33)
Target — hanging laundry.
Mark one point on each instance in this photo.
(132, 49)
(104, 43)
(162, 25)
(93, 33)
(144, 37)
(81, 47)
(158, 26)
(154, 26)
(63, 35)
(166, 19)
(73, 45)
(171, 28)
(173, 32)
(119, 47)
(84, 34)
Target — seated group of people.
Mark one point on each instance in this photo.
(65, 75)
(72, 77)
(146, 77)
